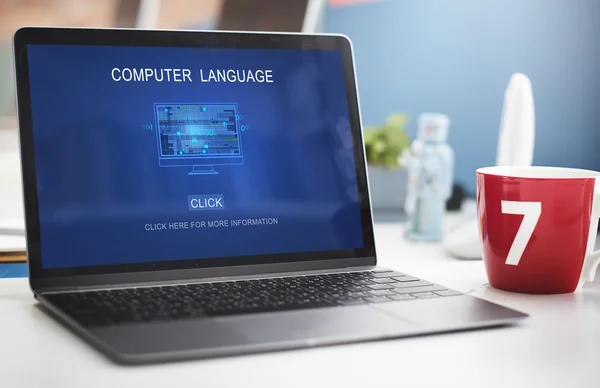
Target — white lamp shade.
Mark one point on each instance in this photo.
(517, 124)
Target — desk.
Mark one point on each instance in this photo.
(557, 345)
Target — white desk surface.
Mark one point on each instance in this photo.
(558, 346)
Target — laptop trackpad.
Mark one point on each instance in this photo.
(449, 312)
(311, 325)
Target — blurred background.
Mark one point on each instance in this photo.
(412, 56)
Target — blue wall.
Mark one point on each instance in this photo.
(457, 56)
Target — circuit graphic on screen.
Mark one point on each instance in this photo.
(197, 131)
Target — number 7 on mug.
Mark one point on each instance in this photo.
(531, 212)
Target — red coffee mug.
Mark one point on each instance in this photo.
(538, 227)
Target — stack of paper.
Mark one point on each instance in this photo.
(12, 235)
(12, 225)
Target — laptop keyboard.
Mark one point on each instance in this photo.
(146, 304)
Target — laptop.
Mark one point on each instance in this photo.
(203, 194)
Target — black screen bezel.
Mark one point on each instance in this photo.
(204, 39)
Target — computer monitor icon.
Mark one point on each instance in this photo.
(200, 136)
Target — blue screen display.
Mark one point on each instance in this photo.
(147, 154)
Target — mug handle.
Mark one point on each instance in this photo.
(592, 257)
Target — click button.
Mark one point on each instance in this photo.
(206, 202)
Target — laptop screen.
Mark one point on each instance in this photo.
(154, 154)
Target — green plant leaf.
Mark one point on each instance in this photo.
(385, 143)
